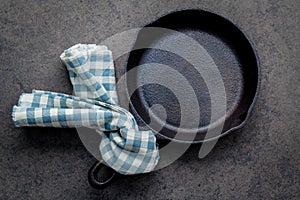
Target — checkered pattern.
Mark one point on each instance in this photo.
(123, 147)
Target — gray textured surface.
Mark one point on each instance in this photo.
(261, 161)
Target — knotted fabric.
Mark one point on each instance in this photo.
(95, 105)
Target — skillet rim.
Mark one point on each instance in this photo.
(258, 83)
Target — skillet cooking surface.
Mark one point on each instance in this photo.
(231, 52)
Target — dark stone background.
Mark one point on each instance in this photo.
(260, 161)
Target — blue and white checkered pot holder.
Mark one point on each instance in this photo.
(123, 147)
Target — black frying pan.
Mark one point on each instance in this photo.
(232, 53)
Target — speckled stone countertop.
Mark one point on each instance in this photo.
(260, 161)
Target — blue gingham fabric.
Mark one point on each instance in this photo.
(123, 147)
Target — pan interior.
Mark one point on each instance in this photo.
(158, 106)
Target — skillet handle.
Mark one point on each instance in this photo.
(93, 175)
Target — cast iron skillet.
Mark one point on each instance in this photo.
(231, 51)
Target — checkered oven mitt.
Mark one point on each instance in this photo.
(123, 147)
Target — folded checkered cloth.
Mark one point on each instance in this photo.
(123, 147)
